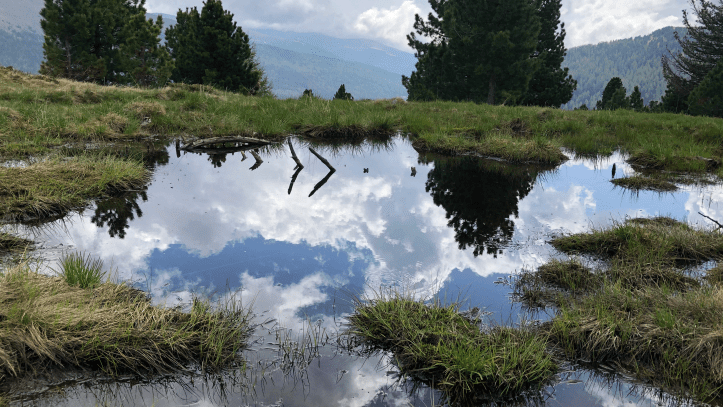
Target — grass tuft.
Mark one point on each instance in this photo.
(438, 345)
(81, 271)
(110, 327)
(644, 311)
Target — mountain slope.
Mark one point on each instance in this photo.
(635, 60)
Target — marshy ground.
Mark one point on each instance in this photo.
(647, 308)
(69, 143)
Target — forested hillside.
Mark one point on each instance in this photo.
(635, 60)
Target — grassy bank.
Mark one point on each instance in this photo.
(56, 185)
(438, 346)
(75, 320)
(37, 113)
(646, 310)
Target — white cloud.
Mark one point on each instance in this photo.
(390, 24)
(593, 21)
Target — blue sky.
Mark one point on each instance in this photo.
(389, 21)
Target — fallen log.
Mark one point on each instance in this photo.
(216, 140)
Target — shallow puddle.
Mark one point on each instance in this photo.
(450, 228)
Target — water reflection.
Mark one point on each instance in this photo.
(479, 197)
(449, 232)
(117, 212)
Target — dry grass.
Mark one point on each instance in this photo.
(111, 327)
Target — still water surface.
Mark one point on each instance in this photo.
(451, 228)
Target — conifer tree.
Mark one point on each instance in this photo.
(707, 98)
(479, 50)
(551, 85)
(636, 99)
(701, 49)
(209, 48)
(144, 61)
(343, 94)
(82, 37)
(609, 93)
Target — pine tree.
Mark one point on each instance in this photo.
(701, 50)
(614, 85)
(343, 94)
(707, 98)
(83, 37)
(184, 45)
(69, 41)
(478, 51)
(636, 100)
(209, 48)
(551, 85)
(144, 61)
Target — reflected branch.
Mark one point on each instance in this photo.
(293, 177)
(332, 169)
(258, 159)
(323, 181)
(296, 159)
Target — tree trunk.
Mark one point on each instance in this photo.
(491, 93)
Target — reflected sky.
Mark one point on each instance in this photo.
(448, 229)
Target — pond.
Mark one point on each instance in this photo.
(300, 253)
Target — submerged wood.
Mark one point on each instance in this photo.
(322, 160)
(713, 220)
(215, 140)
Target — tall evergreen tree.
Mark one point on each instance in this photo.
(636, 99)
(144, 61)
(551, 85)
(707, 98)
(479, 50)
(702, 47)
(184, 44)
(209, 48)
(83, 37)
(343, 94)
(614, 86)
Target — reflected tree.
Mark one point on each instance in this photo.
(118, 211)
(217, 159)
(479, 197)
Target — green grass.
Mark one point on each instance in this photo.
(82, 271)
(110, 328)
(643, 309)
(38, 113)
(436, 344)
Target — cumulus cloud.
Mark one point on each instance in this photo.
(593, 21)
(390, 24)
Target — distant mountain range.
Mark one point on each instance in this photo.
(369, 69)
